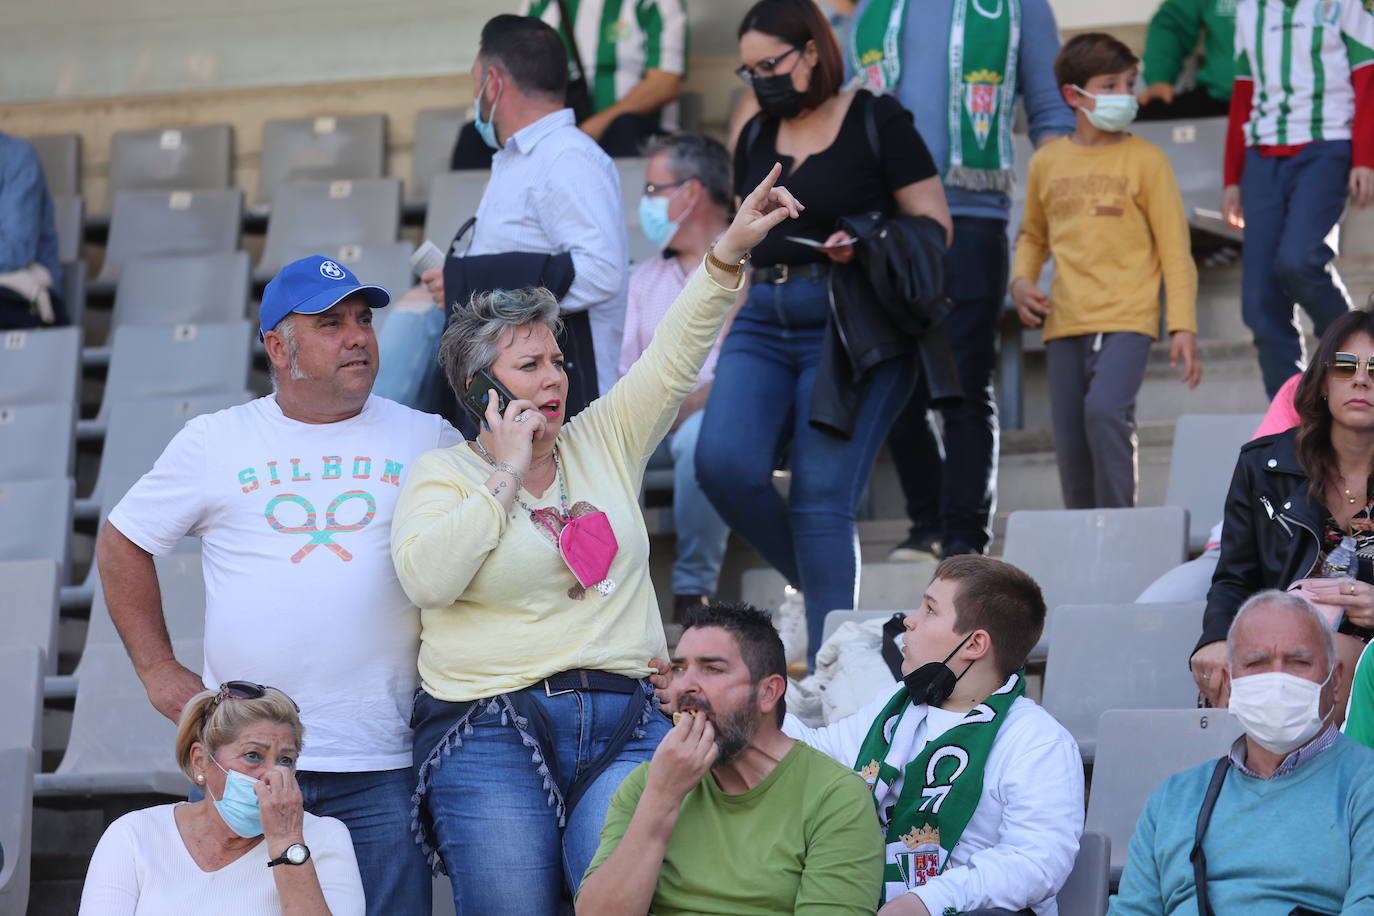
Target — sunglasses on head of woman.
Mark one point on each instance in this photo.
(239, 690)
(1344, 366)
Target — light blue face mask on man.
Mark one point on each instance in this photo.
(239, 806)
(653, 219)
(486, 129)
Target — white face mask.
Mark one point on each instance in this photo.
(1280, 711)
(1111, 112)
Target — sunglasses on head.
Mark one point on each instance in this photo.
(1345, 365)
(239, 690)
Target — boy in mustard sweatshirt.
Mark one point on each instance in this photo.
(1105, 205)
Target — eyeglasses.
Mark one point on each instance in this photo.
(238, 690)
(1344, 366)
(764, 68)
(650, 189)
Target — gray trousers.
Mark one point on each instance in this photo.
(1094, 380)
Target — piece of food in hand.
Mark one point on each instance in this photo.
(677, 716)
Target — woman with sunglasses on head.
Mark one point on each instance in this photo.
(844, 153)
(1294, 497)
(248, 846)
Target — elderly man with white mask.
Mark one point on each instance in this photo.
(1287, 816)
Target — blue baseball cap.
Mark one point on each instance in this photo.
(310, 286)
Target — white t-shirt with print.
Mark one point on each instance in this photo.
(300, 592)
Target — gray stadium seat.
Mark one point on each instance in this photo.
(453, 200)
(323, 216)
(689, 111)
(191, 158)
(1200, 466)
(60, 156)
(1137, 749)
(631, 189)
(320, 149)
(69, 215)
(170, 222)
(436, 132)
(37, 440)
(28, 607)
(1085, 556)
(1195, 149)
(45, 509)
(40, 366)
(74, 291)
(183, 289)
(387, 266)
(1085, 893)
(119, 743)
(17, 765)
(22, 666)
(836, 619)
(182, 583)
(1118, 656)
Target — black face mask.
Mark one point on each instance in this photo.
(933, 682)
(777, 97)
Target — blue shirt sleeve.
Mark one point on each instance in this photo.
(1045, 107)
(28, 232)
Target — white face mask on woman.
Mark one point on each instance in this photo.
(1280, 711)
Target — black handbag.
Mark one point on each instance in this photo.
(579, 94)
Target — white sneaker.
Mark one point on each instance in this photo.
(790, 622)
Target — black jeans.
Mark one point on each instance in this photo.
(950, 487)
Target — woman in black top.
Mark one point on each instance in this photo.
(761, 397)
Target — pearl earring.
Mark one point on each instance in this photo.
(200, 777)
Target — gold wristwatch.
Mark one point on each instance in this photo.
(728, 267)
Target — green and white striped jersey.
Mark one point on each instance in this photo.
(620, 39)
(1301, 55)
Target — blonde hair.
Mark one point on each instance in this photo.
(215, 727)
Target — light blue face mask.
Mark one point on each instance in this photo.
(239, 806)
(1111, 113)
(486, 129)
(653, 219)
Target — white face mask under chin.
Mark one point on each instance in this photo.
(1280, 711)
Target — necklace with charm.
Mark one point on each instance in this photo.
(557, 474)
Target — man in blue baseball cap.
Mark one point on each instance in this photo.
(292, 496)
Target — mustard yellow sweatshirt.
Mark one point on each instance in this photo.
(499, 609)
(1113, 220)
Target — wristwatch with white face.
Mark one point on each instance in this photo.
(295, 854)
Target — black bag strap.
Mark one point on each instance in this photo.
(1204, 817)
(892, 656)
(570, 29)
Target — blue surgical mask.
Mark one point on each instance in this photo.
(486, 129)
(239, 806)
(1111, 113)
(653, 219)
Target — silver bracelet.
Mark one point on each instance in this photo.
(507, 468)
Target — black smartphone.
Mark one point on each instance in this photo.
(475, 399)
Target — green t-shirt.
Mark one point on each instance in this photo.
(805, 840)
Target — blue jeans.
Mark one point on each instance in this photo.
(761, 401)
(1292, 204)
(701, 532)
(375, 807)
(407, 349)
(951, 491)
(497, 824)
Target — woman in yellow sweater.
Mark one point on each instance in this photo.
(526, 553)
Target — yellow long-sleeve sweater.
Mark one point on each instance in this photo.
(1113, 220)
(499, 609)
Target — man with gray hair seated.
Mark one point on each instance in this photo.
(1286, 819)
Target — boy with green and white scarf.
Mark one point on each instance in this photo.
(978, 789)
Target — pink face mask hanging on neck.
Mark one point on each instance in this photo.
(588, 547)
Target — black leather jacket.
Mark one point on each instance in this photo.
(1271, 532)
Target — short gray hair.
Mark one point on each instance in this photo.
(1272, 597)
(692, 155)
(473, 338)
(287, 329)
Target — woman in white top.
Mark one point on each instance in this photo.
(248, 846)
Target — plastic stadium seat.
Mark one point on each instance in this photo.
(1085, 893)
(1137, 749)
(1200, 465)
(28, 607)
(387, 266)
(836, 619)
(1194, 148)
(69, 214)
(60, 156)
(119, 743)
(37, 440)
(182, 584)
(182, 289)
(453, 200)
(631, 189)
(320, 149)
(17, 766)
(192, 158)
(176, 222)
(181, 360)
(324, 216)
(45, 509)
(22, 666)
(41, 366)
(1118, 656)
(74, 291)
(436, 132)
